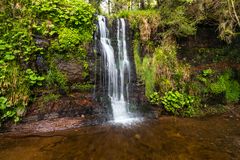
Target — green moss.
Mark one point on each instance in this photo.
(148, 76)
(82, 87)
(137, 58)
(51, 97)
(145, 70)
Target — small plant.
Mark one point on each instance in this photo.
(205, 75)
(207, 72)
(33, 78)
(6, 112)
(3, 103)
(178, 103)
(155, 98)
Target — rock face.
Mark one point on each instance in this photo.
(72, 69)
(73, 105)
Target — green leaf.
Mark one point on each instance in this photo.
(40, 78)
(3, 100)
(9, 57)
(2, 47)
(33, 77)
(29, 71)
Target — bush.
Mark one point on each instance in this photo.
(155, 98)
(225, 84)
(51, 97)
(178, 103)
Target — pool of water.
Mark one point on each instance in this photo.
(169, 138)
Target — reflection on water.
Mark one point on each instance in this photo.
(215, 138)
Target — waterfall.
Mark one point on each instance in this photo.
(116, 69)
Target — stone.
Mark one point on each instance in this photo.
(73, 71)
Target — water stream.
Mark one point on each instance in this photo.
(116, 69)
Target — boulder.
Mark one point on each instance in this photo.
(73, 70)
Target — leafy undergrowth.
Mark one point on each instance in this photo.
(33, 35)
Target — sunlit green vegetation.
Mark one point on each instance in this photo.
(157, 26)
(33, 28)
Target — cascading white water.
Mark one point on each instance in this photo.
(116, 70)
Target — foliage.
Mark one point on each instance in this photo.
(225, 84)
(155, 98)
(137, 58)
(207, 72)
(170, 19)
(156, 30)
(161, 72)
(178, 103)
(179, 17)
(72, 14)
(33, 78)
(136, 17)
(177, 21)
(83, 87)
(212, 83)
(145, 70)
(56, 78)
(14, 92)
(29, 28)
(148, 75)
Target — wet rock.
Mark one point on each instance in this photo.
(41, 64)
(74, 105)
(30, 118)
(72, 69)
(41, 41)
(51, 116)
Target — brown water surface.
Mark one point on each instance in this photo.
(215, 138)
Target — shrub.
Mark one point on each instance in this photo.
(207, 72)
(178, 103)
(225, 84)
(33, 78)
(155, 98)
